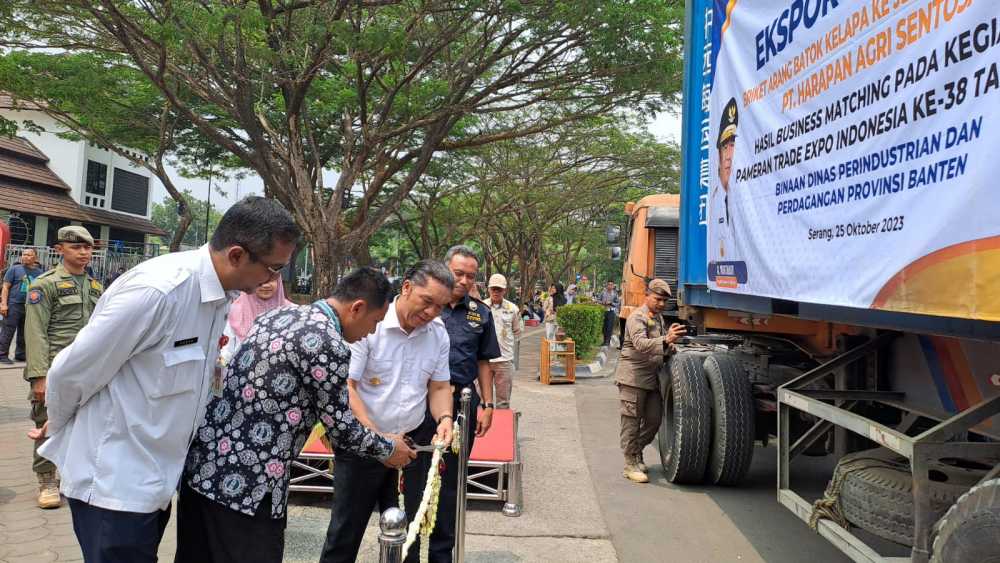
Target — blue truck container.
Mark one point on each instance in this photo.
(904, 403)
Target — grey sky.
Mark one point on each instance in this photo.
(665, 127)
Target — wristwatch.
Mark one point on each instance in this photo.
(487, 406)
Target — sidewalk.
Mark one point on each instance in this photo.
(561, 520)
(28, 533)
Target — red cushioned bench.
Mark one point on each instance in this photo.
(495, 464)
(312, 471)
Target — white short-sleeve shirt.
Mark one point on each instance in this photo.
(393, 369)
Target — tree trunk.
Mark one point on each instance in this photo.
(326, 263)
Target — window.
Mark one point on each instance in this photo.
(131, 193)
(97, 178)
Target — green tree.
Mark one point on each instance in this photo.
(93, 96)
(538, 206)
(166, 217)
(370, 88)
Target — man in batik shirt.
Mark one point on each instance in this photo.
(289, 372)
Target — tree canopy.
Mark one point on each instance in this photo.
(372, 89)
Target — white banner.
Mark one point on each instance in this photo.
(855, 154)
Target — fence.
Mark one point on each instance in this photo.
(105, 262)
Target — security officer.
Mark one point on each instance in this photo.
(473, 344)
(723, 227)
(59, 303)
(643, 352)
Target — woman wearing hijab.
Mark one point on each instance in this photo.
(245, 310)
(556, 299)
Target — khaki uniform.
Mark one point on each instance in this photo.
(642, 356)
(56, 310)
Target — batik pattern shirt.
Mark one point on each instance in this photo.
(290, 371)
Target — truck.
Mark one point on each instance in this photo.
(834, 250)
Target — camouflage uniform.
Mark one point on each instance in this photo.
(643, 352)
(57, 308)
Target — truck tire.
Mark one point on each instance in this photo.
(970, 531)
(732, 420)
(685, 432)
(878, 497)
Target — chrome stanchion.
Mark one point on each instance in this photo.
(463, 476)
(392, 535)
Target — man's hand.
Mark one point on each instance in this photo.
(37, 434)
(402, 454)
(38, 389)
(3, 309)
(444, 431)
(675, 331)
(484, 422)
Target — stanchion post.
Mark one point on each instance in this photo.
(392, 535)
(463, 475)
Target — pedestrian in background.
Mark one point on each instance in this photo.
(126, 397)
(12, 297)
(290, 372)
(556, 299)
(508, 325)
(244, 312)
(60, 302)
(611, 300)
(571, 294)
(397, 374)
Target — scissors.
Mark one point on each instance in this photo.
(427, 448)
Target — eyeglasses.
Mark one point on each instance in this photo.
(274, 270)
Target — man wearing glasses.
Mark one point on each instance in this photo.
(125, 398)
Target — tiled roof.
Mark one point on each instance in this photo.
(18, 196)
(7, 102)
(28, 185)
(21, 147)
(122, 221)
(20, 160)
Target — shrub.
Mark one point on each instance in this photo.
(584, 324)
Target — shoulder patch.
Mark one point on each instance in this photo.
(94, 284)
(46, 274)
(35, 296)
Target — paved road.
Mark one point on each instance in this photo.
(663, 522)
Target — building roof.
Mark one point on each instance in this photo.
(21, 160)
(29, 186)
(8, 102)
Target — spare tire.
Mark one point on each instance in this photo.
(878, 496)
(970, 531)
(732, 420)
(685, 432)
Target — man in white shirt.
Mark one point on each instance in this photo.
(125, 398)
(508, 325)
(722, 246)
(396, 373)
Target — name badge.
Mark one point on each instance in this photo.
(186, 342)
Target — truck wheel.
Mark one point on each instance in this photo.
(970, 531)
(877, 493)
(732, 420)
(686, 429)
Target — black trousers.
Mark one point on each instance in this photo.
(360, 485)
(114, 536)
(443, 536)
(208, 532)
(13, 323)
(609, 326)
